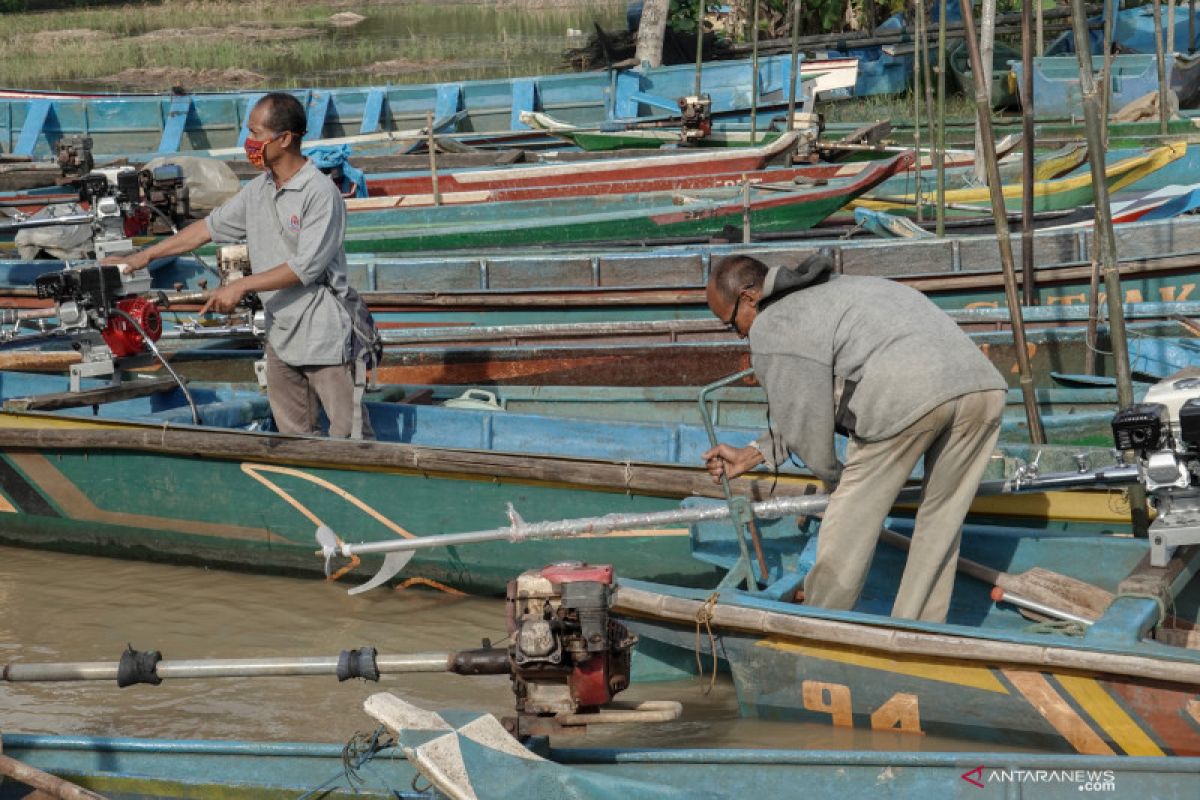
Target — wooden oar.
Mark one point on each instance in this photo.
(1052, 590)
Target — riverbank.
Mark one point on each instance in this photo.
(234, 45)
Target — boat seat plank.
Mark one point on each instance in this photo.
(448, 103)
(37, 117)
(244, 134)
(373, 110)
(90, 397)
(524, 98)
(318, 110)
(1165, 582)
(177, 117)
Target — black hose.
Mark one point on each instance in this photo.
(154, 349)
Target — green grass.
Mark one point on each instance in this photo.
(452, 41)
(896, 108)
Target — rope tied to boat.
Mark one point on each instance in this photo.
(1060, 626)
(1160, 600)
(360, 750)
(704, 616)
(858, 227)
(628, 476)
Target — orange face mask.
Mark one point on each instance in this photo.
(254, 151)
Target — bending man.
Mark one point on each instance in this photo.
(293, 220)
(878, 361)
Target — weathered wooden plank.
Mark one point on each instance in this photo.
(90, 397)
(1162, 582)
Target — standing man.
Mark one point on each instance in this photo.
(876, 360)
(293, 220)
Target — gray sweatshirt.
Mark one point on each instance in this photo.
(892, 355)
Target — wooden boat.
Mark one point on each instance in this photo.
(124, 768)
(1003, 91)
(984, 675)
(607, 218)
(1056, 80)
(1070, 414)
(125, 125)
(654, 360)
(56, 469)
(1060, 194)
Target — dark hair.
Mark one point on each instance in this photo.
(284, 113)
(733, 273)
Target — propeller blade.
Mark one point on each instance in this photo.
(393, 562)
(329, 545)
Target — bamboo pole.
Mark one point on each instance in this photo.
(916, 97)
(795, 70)
(433, 169)
(1170, 27)
(927, 71)
(1106, 72)
(1108, 251)
(987, 39)
(1191, 48)
(745, 210)
(1093, 321)
(754, 77)
(940, 154)
(1029, 291)
(700, 43)
(983, 111)
(1040, 24)
(1160, 58)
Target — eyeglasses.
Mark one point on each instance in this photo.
(731, 323)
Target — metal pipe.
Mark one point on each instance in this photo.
(1001, 596)
(223, 668)
(795, 71)
(775, 508)
(45, 222)
(749, 523)
(1108, 250)
(940, 150)
(1029, 291)
(1161, 62)
(699, 42)
(995, 187)
(450, 333)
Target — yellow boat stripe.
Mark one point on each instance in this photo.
(961, 673)
(1122, 728)
(1058, 712)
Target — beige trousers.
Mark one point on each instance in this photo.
(957, 439)
(297, 394)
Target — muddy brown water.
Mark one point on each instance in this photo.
(61, 607)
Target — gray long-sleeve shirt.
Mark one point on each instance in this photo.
(896, 355)
(306, 324)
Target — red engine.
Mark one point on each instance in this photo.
(567, 653)
(122, 338)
